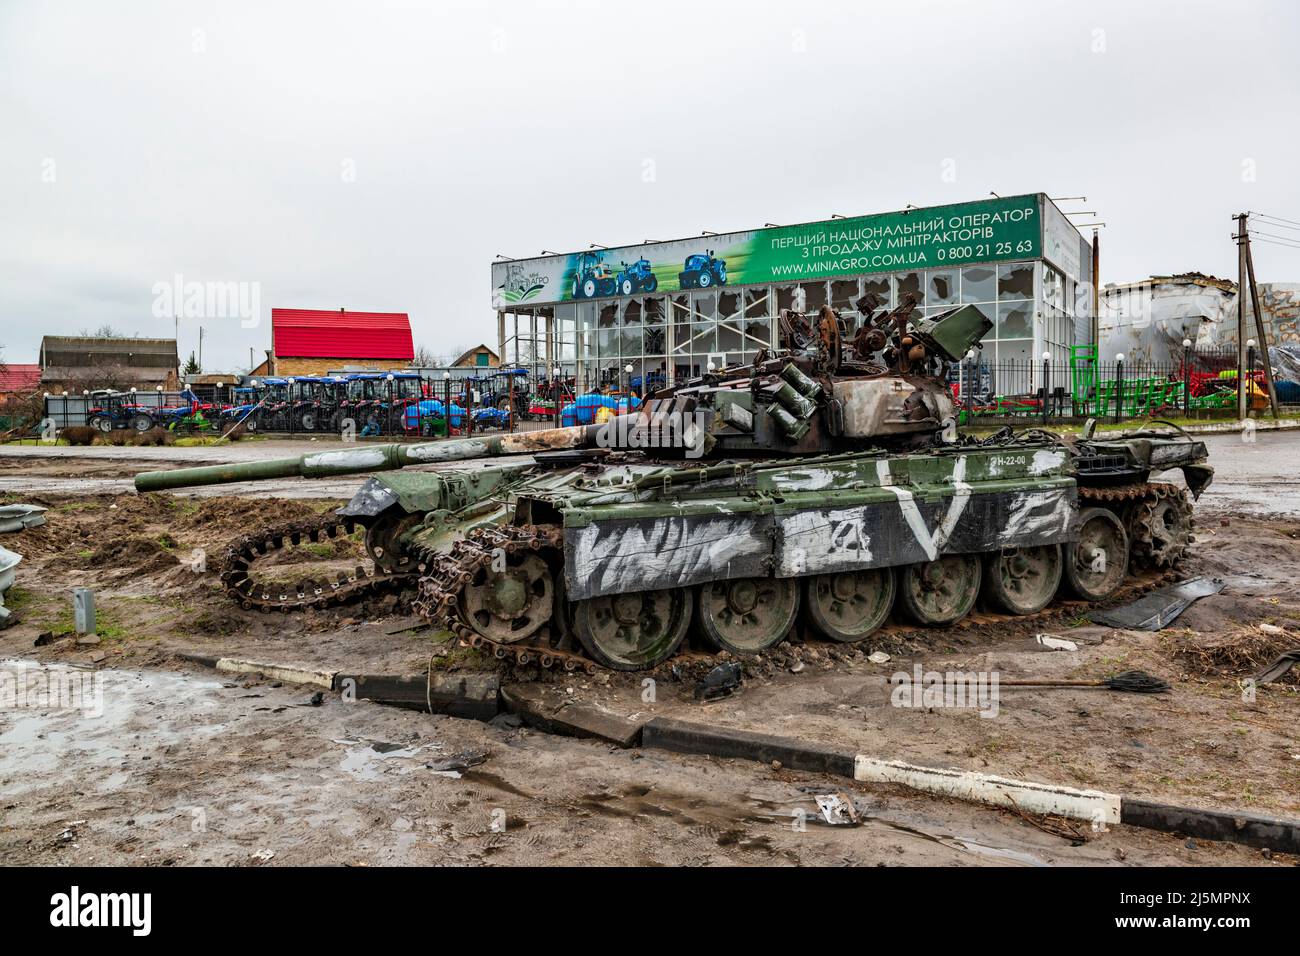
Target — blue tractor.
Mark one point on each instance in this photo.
(703, 271)
(637, 277)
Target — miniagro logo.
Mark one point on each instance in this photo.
(521, 285)
(968, 690)
(103, 909)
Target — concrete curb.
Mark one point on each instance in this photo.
(478, 696)
(1277, 834)
(570, 719)
(687, 738)
(1249, 829)
(472, 696)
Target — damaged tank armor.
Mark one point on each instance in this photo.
(827, 478)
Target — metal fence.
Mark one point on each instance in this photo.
(1196, 384)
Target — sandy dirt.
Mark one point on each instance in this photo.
(188, 767)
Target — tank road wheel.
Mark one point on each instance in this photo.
(1022, 580)
(383, 547)
(635, 630)
(940, 592)
(1096, 564)
(508, 606)
(747, 615)
(851, 605)
(1160, 528)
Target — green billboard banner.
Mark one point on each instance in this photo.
(993, 230)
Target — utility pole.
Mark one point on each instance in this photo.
(1242, 392)
(1259, 324)
(200, 348)
(1096, 293)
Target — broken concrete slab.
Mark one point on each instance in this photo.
(1090, 805)
(474, 696)
(543, 709)
(680, 736)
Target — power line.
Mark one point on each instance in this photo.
(1263, 215)
(1274, 242)
(1272, 235)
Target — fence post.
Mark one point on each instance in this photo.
(1047, 385)
(1119, 387)
(972, 371)
(1250, 371)
(1187, 378)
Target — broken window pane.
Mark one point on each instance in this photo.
(785, 297)
(941, 288)
(704, 304)
(704, 338)
(815, 295)
(908, 282)
(631, 341)
(729, 336)
(728, 304)
(758, 302)
(654, 340)
(979, 284)
(656, 375)
(1016, 281)
(844, 292)
(609, 315)
(654, 311)
(632, 312)
(758, 334)
(1015, 320)
(607, 343)
(882, 289)
(681, 316)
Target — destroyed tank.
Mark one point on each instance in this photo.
(824, 487)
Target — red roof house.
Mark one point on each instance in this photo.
(19, 379)
(314, 341)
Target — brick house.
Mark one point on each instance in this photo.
(315, 341)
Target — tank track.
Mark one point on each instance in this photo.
(448, 574)
(237, 569)
(1136, 506)
(443, 577)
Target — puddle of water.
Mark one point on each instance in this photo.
(110, 710)
(370, 761)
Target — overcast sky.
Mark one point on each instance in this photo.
(377, 156)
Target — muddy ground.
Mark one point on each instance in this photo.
(187, 767)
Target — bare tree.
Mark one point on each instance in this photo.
(105, 331)
(423, 358)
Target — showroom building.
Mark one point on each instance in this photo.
(665, 310)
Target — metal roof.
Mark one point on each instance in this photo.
(320, 333)
(19, 378)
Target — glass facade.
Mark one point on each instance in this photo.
(671, 337)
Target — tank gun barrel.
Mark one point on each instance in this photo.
(368, 458)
